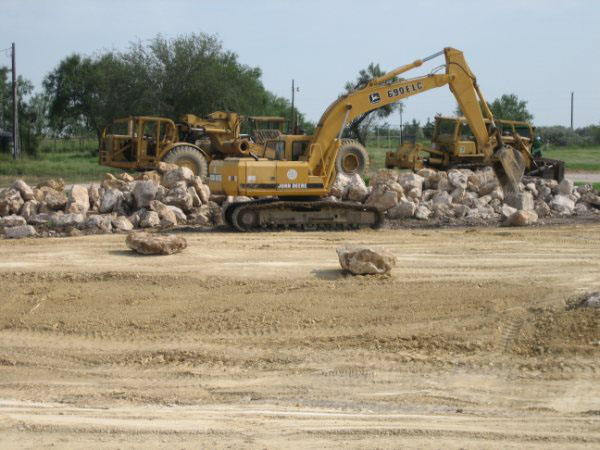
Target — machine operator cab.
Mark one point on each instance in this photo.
(453, 135)
(288, 148)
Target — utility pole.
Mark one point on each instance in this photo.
(400, 108)
(15, 109)
(292, 115)
(572, 98)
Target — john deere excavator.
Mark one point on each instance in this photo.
(292, 190)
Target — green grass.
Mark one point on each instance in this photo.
(586, 158)
(73, 167)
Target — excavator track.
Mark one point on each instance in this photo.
(261, 215)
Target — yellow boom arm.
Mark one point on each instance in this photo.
(380, 92)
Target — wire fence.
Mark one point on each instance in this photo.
(69, 144)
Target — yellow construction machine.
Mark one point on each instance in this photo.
(453, 145)
(290, 191)
(141, 142)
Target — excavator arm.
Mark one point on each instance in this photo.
(387, 89)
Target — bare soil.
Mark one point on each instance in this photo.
(260, 341)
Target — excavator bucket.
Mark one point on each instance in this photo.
(509, 167)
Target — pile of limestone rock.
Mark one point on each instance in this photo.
(172, 196)
(463, 196)
(163, 198)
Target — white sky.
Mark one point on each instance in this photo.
(540, 50)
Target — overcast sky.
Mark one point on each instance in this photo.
(540, 50)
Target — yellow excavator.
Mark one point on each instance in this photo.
(290, 192)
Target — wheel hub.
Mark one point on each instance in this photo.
(350, 163)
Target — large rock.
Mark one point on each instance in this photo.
(383, 177)
(24, 189)
(422, 212)
(488, 187)
(112, 182)
(56, 184)
(30, 208)
(19, 232)
(457, 179)
(181, 217)
(55, 200)
(155, 244)
(94, 196)
(167, 216)
(144, 192)
(200, 216)
(522, 218)
(338, 189)
(195, 198)
(163, 166)
(99, 222)
(402, 210)
(507, 211)
(366, 260)
(79, 200)
(202, 189)
(590, 198)
(149, 219)
(411, 181)
(12, 221)
(382, 199)
(442, 198)
(565, 187)
(541, 208)
(110, 200)
(150, 175)
(180, 197)
(173, 176)
(66, 220)
(121, 223)
(356, 190)
(521, 201)
(39, 219)
(562, 204)
(10, 201)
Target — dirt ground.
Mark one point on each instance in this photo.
(259, 341)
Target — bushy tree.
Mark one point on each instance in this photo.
(510, 107)
(164, 77)
(507, 107)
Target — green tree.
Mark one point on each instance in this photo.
(507, 107)
(164, 77)
(360, 127)
(510, 107)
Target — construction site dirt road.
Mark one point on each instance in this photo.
(259, 340)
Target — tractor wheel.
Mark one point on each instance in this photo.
(187, 156)
(352, 158)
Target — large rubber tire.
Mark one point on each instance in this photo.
(187, 156)
(352, 158)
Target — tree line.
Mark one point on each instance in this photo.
(192, 73)
(163, 77)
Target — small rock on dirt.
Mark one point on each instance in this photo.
(366, 260)
(522, 218)
(155, 244)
